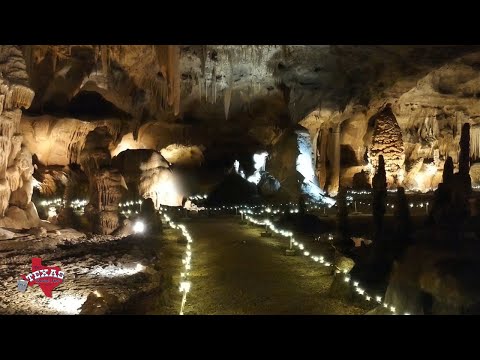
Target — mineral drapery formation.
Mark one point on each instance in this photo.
(16, 169)
(387, 141)
(168, 60)
(106, 183)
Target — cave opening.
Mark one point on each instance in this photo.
(90, 105)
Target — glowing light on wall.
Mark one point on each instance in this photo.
(304, 166)
(259, 161)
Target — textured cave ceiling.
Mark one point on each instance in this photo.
(233, 100)
(271, 83)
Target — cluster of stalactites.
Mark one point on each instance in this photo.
(475, 142)
(168, 57)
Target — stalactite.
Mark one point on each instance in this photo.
(95, 54)
(214, 84)
(199, 84)
(227, 100)
(206, 90)
(54, 58)
(177, 85)
(21, 96)
(475, 142)
(284, 52)
(203, 59)
(28, 56)
(162, 58)
(104, 55)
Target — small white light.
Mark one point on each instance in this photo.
(355, 283)
(385, 305)
(185, 286)
(407, 314)
(368, 298)
(347, 279)
(378, 298)
(392, 308)
(306, 253)
(139, 227)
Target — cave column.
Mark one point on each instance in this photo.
(335, 161)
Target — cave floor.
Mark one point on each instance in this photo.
(105, 264)
(236, 271)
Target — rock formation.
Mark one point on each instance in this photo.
(106, 183)
(387, 141)
(16, 169)
(170, 98)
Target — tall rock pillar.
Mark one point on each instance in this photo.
(16, 169)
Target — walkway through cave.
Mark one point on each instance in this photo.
(237, 272)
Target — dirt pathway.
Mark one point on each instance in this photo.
(235, 271)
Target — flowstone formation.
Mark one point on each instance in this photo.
(106, 183)
(387, 141)
(16, 183)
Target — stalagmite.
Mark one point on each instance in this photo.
(387, 141)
